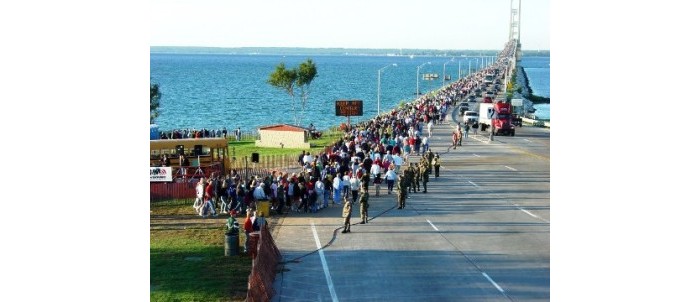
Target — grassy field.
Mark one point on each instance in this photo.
(187, 257)
(247, 147)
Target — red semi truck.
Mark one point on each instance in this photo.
(498, 116)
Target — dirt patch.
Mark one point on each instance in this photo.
(184, 221)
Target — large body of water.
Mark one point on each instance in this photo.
(215, 91)
(537, 70)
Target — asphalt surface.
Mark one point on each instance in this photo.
(480, 233)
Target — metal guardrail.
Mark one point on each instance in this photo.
(534, 122)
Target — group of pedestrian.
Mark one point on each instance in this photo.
(200, 133)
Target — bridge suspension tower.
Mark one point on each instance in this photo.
(514, 28)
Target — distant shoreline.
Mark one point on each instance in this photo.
(334, 51)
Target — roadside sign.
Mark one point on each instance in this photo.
(348, 108)
(516, 102)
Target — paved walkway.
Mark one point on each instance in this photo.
(416, 254)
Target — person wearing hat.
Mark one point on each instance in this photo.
(403, 190)
(347, 213)
(436, 164)
(424, 170)
(364, 204)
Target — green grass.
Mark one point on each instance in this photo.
(247, 147)
(189, 264)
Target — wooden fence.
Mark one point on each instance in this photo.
(273, 162)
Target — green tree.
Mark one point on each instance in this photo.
(284, 79)
(306, 73)
(155, 101)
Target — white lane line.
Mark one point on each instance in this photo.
(477, 155)
(431, 224)
(527, 140)
(329, 281)
(529, 213)
(494, 283)
(511, 168)
(473, 184)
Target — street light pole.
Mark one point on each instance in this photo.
(443, 71)
(460, 66)
(379, 85)
(417, 83)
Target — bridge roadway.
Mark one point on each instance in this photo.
(481, 233)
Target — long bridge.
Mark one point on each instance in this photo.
(481, 233)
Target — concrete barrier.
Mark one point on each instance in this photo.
(535, 122)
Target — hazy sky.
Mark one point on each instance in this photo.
(434, 24)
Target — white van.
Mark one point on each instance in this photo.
(470, 117)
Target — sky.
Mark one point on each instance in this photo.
(435, 24)
(75, 78)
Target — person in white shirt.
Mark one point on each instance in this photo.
(346, 185)
(307, 158)
(318, 186)
(390, 179)
(199, 200)
(337, 187)
(354, 187)
(259, 192)
(398, 161)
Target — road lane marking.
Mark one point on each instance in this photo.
(527, 140)
(431, 224)
(511, 168)
(494, 283)
(529, 213)
(477, 155)
(473, 184)
(329, 281)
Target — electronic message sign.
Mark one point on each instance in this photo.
(348, 108)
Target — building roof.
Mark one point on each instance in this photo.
(284, 127)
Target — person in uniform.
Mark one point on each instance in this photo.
(364, 180)
(364, 204)
(424, 176)
(403, 190)
(409, 174)
(347, 212)
(436, 164)
(431, 155)
(416, 179)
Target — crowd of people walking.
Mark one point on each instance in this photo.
(390, 150)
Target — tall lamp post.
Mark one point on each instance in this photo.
(417, 83)
(460, 66)
(379, 84)
(443, 70)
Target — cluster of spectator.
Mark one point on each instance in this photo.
(200, 133)
(373, 150)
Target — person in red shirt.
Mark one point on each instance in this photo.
(209, 208)
(247, 228)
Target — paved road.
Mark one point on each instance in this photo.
(481, 233)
